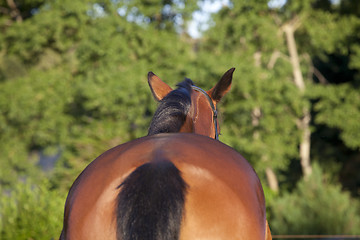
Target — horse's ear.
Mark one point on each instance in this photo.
(158, 88)
(222, 87)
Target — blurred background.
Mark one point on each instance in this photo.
(73, 83)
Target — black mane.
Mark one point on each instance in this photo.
(172, 110)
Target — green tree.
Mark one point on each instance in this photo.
(264, 99)
(270, 111)
(77, 82)
(316, 206)
(168, 15)
(31, 212)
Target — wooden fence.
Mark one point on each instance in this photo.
(332, 237)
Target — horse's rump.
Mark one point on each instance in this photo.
(220, 193)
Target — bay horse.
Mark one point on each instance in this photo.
(178, 182)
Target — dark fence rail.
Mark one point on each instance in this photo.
(329, 237)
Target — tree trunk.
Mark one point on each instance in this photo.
(270, 175)
(305, 144)
(289, 30)
(15, 13)
(272, 179)
(304, 123)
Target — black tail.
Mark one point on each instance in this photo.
(150, 203)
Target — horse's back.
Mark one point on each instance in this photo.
(224, 198)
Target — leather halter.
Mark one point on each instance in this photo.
(213, 108)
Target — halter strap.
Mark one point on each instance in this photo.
(213, 108)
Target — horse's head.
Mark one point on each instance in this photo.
(199, 117)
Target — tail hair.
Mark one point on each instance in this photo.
(151, 202)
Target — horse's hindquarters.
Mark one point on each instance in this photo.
(223, 197)
(213, 210)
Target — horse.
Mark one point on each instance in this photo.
(178, 182)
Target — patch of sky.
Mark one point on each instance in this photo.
(276, 3)
(202, 18)
(96, 11)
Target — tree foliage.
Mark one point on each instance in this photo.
(317, 206)
(73, 84)
(31, 212)
(266, 99)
